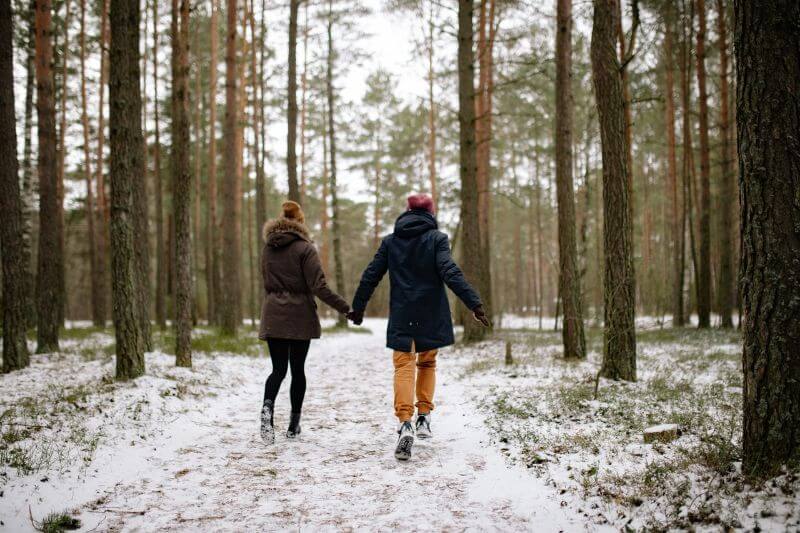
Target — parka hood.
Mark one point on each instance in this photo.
(413, 223)
(283, 231)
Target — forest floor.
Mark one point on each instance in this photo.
(525, 446)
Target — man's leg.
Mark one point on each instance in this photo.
(404, 385)
(426, 381)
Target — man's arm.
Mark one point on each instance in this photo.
(452, 276)
(370, 278)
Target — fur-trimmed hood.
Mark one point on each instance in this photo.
(282, 231)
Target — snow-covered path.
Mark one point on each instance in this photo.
(206, 469)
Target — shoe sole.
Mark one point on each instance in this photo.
(403, 450)
(424, 435)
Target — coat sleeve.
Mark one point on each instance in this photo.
(264, 267)
(452, 276)
(371, 277)
(315, 279)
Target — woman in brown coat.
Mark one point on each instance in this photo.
(292, 276)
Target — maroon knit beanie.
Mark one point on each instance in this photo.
(423, 202)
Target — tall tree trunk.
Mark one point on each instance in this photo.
(727, 188)
(768, 82)
(324, 247)
(161, 270)
(431, 113)
(704, 271)
(97, 319)
(231, 186)
(15, 348)
(62, 136)
(181, 183)
(468, 157)
(199, 140)
(336, 225)
(626, 50)
(258, 117)
(619, 340)
(291, 134)
(101, 216)
(28, 185)
(49, 290)
(212, 238)
(676, 216)
(303, 106)
(125, 144)
(688, 149)
(569, 280)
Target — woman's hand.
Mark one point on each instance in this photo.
(356, 317)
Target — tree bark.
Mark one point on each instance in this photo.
(15, 348)
(50, 261)
(619, 340)
(258, 117)
(431, 113)
(291, 114)
(726, 291)
(212, 238)
(704, 270)
(767, 49)
(101, 209)
(28, 185)
(569, 277)
(62, 136)
(676, 215)
(126, 166)
(468, 161)
(335, 217)
(231, 186)
(303, 107)
(181, 183)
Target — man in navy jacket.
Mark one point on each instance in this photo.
(417, 257)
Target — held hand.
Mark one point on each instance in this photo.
(480, 315)
(356, 317)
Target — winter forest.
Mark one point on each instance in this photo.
(619, 181)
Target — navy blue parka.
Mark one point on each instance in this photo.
(417, 256)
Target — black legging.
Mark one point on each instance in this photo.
(284, 352)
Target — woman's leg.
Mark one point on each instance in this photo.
(297, 360)
(279, 354)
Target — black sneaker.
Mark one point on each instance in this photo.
(405, 442)
(424, 426)
(267, 430)
(294, 426)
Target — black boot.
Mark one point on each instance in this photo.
(267, 429)
(294, 426)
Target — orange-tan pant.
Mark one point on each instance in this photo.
(413, 372)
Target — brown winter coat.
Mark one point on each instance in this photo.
(292, 276)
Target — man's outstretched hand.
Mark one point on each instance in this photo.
(480, 315)
(356, 317)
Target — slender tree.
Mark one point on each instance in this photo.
(181, 182)
(49, 289)
(336, 217)
(15, 348)
(63, 92)
(101, 217)
(28, 184)
(212, 240)
(291, 113)
(704, 270)
(727, 187)
(470, 230)
(231, 186)
(767, 80)
(126, 166)
(619, 340)
(431, 109)
(569, 275)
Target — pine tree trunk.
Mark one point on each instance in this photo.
(28, 186)
(90, 214)
(101, 218)
(62, 136)
(688, 170)
(50, 259)
(181, 183)
(569, 276)
(431, 114)
(231, 186)
(324, 248)
(468, 157)
(291, 134)
(619, 341)
(258, 117)
(15, 348)
(767, 80)
(126, 166)
(676, 227)
(704, 267)
(303, 107)
(212, 238)
(727, 190)
(335, 226)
